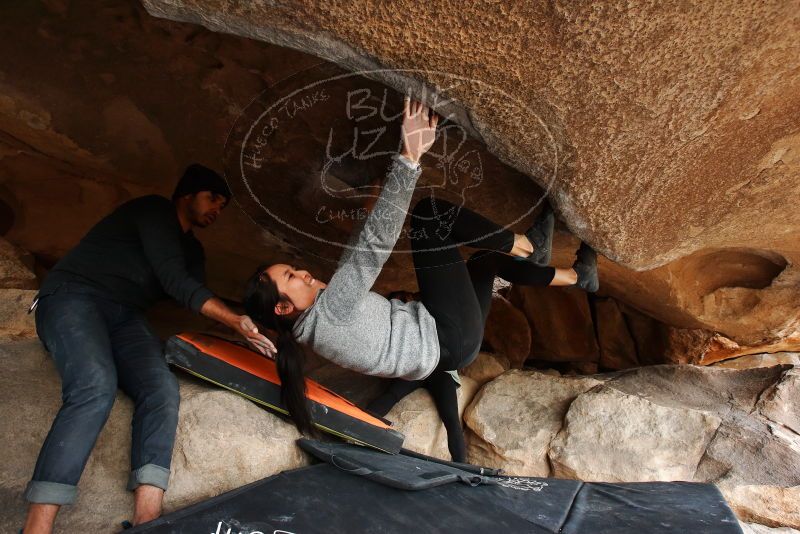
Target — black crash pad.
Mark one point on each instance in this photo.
(324, 498)
(395, 470)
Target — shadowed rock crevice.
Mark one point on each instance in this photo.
(713, 270)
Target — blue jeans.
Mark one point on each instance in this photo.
(99, 345)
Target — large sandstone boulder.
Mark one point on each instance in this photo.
(224, 441)
(766, 505)
(16, 267)
(486, 367)
(605, 429)
(15, 321)
(514, 418)
(661, 135)
(744, 294)
(733, 428)
(17, 289)
(781, 402)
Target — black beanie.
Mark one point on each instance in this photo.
(198, 178)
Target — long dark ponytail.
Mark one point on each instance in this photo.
(261, 296)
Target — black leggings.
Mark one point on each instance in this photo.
(458, 296)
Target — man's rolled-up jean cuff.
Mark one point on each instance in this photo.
(151, 474)
(41, 492)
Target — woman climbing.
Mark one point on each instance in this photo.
(421, 343)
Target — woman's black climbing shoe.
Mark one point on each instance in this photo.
(126, 525)
(540, 234)
(586, 267)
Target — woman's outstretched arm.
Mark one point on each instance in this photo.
(361, 264)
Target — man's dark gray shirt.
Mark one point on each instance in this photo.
(137, 255)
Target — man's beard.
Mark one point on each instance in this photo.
(201, 220)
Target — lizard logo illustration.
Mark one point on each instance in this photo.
(352, 122)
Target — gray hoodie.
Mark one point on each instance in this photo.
(357, 328)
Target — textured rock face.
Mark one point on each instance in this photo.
(593, 445)
(16, 268)
(14, 318)
(661, 133)
(745, 294)
(733, 428)
(775, 507)
(782, 402)
(603, 332)
(85, 125)
(593, 332)
(561, 323)
(718, 348)
(515, 417)
(223, 442)
(486, 367)
(508, 331)
(17, 283)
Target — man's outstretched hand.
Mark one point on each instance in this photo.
(243, 324)
(247, 328)
(419, 129)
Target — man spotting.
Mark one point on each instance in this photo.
(90, 317)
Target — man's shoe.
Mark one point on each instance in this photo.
(540, 234)
(586, 267)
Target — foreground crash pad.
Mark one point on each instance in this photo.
(255, 377)
(341, 496)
